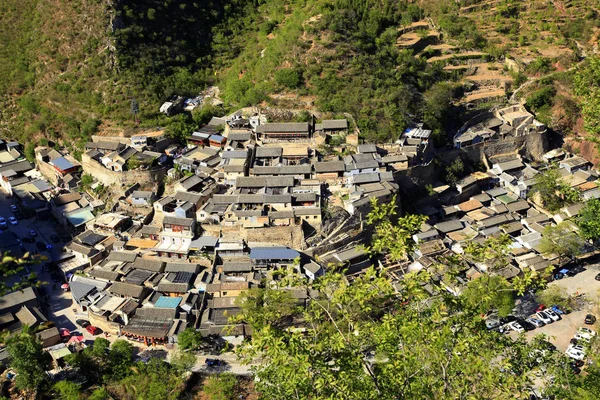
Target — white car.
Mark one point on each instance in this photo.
(13, 220)
(587, 331)
(14, 208)
(2, 222)
(545, 318)
(535, 322)
(575, 352)
(582, 338)
(584, 334)
(515, 326)
(552, 314)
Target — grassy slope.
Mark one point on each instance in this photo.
(62, 71)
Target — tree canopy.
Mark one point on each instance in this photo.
(588, 220)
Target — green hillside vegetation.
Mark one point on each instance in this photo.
(70, 68)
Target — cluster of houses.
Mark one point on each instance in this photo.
(512, 121)
(156, 263)
(484, 205)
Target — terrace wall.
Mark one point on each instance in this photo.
(125, 178)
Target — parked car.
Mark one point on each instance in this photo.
(576, 352)
(32, 233)
(590, 319)
(14, 208)
(582, 338)
(507, 319)
(515, 326)
(2, 223)
(82, 323)
(12, 220)
(560, 310)
(541, 307)
(48, 246)
(597, 277)
(586, 333)
(55, 238)
(554, 316)
(578, 363)
(535, 322)
(528, 326)
(213, 362)
(541, 315)
(92, 329)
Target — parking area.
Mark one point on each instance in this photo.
(44, 229)
(561, 332)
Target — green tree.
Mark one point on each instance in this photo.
(86, 181)
(588, 220)
(365, 340)
(455, 171)
(392, 238)
(28, 360)
(275, 307)
(555, 295)
(67, 390)
(183, 360)
(120, 359)
(490, 292)
(438, 107)
(554, 192)
(99, 394)
(155, 380)
(287, 77)
(190, 338)
(587, 87)
(220, 387)
(561, 240)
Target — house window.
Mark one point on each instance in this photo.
(177, 228)
(224, 293)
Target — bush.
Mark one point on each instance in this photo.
(220, 387)
(289, 78)
(189, 339)
(541, 97)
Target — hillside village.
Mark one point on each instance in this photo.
(194, 226)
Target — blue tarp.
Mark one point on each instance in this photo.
(167, 302)
(273, 253)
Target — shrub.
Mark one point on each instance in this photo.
(289, 78)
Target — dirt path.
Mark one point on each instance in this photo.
(513, 97)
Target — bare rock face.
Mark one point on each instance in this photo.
(335, 218)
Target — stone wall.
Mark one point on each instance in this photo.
(48, 171)
(290, 236)
(126, 178)
(117, 139)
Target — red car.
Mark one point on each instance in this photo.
(92, 329)
(541, 307)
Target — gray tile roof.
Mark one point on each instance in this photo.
(122, 256)
(284, 170)
(178, 221)
(329, 166)
(266, 181)
(335, 124)
(148, 264)
(268, 152)
(127, 289)
(287, 127)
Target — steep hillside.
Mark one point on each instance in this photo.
(69, 68)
